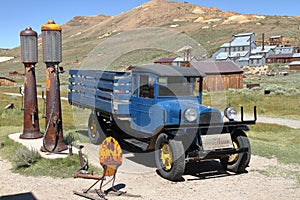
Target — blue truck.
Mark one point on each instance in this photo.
(159, 108)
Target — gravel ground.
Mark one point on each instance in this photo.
(206, 180)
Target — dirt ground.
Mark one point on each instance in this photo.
(206, 180)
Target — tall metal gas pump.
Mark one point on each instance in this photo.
(29, 56)
(52, 56)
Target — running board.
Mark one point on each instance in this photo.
(137, 143)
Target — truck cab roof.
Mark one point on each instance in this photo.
(166, 70)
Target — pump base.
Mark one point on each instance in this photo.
(50, 146)
(31, 134)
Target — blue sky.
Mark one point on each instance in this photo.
(16, 15)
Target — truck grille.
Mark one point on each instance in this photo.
(210, 117)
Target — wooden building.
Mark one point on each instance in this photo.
(295, 65)
(280, 58)
(220, 75)
(276, 40)
(6, 82)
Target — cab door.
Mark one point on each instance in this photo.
(142, 100)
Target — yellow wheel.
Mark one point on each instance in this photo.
(166, 157)
(169, 157)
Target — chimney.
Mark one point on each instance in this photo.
(263, 42)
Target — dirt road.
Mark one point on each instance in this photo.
(206, 180)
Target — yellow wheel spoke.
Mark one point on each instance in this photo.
(93, 128)
(234, 157)
(166, 157)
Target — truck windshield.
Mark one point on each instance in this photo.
(178, 86)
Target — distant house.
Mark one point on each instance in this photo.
(179, 61)
(238, 50)
(259, 54)
(276, 40)
(220, 75)
(295, 65)
(280, 58)
(243, 51)
(6, 81)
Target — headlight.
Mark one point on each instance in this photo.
(190, 114)
(230, 113)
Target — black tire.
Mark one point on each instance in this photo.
(95, 132)
(238, 163)
(174, 170)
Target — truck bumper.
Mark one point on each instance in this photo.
(216, 154)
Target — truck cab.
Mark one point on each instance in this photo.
(164, 96)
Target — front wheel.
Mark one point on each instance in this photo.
(238, 162)
(169, 157)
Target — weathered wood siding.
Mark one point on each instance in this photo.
(294, 67)
(223, 82)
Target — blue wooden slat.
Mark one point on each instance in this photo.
(93, 103)
(122, 87)
(102, 84)
(119, 96)
(91, 92)
(95, 89)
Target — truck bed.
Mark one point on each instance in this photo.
(100, 90)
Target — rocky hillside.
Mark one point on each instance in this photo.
(208, 26)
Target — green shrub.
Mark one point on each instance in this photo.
(26, 157)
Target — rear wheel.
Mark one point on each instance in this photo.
(169, 157)
(95, 132)
(238, 162)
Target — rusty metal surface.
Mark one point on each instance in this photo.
(31, 128)
(54, 131)
(88, 176)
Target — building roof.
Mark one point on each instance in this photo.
(217, 67)
(296, 55)
(165, 70)
(243, 34)
(165, 60)
(178, 59)
(241, 41)
(294, 63)
(276, 36)
(222, 56)
(260, 50)
(234, 54)
(256, 56)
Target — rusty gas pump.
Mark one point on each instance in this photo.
(52, 56)
(29, 56)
